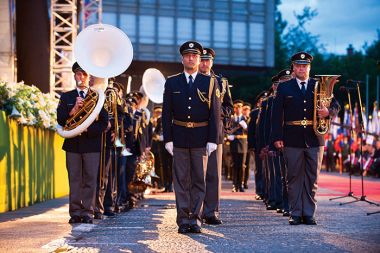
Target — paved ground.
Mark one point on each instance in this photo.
(151, 227)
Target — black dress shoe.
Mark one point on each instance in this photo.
(87, 219)
(295, 220)
(109, 213)
(279, 210)
(195, 229)
(258, 197)
(241, 189)
(286, 213)
(234, 189)
(98, 216)
(270, 207)
(309, 220)
(184, 228)
(213, 220)
(75, 219)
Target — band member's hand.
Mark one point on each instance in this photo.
(113, 136)
(169, 147)
(323, 112)
(231, 137)
(147, 149)
(78, 104)
(243, 124)
(161, 137)
(211, 147)
(108, 126)
(279, 144)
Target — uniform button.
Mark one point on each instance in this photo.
(304, 126)
(304, 117)
(189, 98)
(189, 107)
(188, 117)
(304, 110)
(304, 101)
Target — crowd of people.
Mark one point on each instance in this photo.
(199, 134)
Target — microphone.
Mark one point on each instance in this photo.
(354, 81)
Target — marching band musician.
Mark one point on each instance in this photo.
(214, 165)
(190, 119)
(83, 151)
(163, 160)
(283, 76)
(293, 133)
(238, 145)
(252, 146)
(246, 113)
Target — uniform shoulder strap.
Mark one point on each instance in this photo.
(211, 89)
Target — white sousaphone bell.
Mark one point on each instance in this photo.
(153, 82)
(103, 51)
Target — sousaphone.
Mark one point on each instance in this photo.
(103, 51)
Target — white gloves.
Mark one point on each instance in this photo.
(169, 147)
(231, 137)
(211, 147)
(243, 124)
(161, 137)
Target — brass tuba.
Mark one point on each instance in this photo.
(323, 95)
(144, 172)
(103, 51)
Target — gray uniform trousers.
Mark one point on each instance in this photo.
(189, 172)
(83, 172)
(304, 165)
(213, 183)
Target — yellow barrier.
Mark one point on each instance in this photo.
(32, 165)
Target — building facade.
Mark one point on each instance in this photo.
(240, 31)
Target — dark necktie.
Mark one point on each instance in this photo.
(190, 81)
(303, 88)
(81, 94)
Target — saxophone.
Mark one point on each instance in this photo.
(323, 95)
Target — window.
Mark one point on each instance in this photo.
(109, 18)
(165, 30)
(256, 36)
(203, 31)
(147, 29)
(184, 30)
(239, 35)
(221, 33)
(128, 25)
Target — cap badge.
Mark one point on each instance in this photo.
(302, 56)
(287, 72)
(204, 51)
(191, 45)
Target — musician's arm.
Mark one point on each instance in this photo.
(167, 113)
(278, 116)
(62, 110)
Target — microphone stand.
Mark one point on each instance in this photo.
(361, 124)
(350, 193)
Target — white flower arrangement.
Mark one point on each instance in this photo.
(28, 104)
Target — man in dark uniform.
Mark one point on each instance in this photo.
(293, 132)
(282, 76)
(246, 112)
(214, 165)
(252, 144)
(190, 119)
(82, 151)
(238, 145)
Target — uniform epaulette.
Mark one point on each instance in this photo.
(175, 75)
